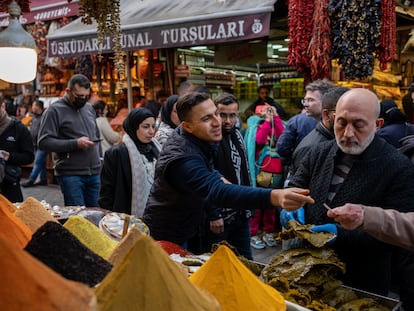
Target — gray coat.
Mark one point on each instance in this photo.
(60, 128)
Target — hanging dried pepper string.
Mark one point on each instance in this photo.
(320, 45)
(300, 30)
(387, 48)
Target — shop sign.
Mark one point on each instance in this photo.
(225, 29)
(182, 71)
(44, 14)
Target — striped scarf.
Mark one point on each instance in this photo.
(142, 172)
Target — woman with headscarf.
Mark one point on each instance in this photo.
(395, 124)
(128, 170)
(169, 119)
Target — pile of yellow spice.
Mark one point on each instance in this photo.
(234, 285)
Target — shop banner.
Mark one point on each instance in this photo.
(44, 14)
(226, 29)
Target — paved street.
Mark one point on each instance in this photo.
(53, 196)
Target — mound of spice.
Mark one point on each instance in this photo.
(146, 279)
(30, 285)
(90, 235)
(124, 246)
(11, 227)
(33, 214)
(6, 203)
(59, 249)
(234, 285)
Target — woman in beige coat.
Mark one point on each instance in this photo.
(108, 135)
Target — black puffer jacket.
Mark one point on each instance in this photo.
(116, 180)
(318, 135)
(17, 141)
(381, 177)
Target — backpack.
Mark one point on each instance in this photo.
(270, 168)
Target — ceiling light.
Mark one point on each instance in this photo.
(277, 46)
(18, 56)
(283, 49)
(200, 47)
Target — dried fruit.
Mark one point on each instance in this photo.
(108, 18)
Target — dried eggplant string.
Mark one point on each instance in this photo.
(108, 18)
(300, 30)
(355, 33)
(320, 45)
(387, 48)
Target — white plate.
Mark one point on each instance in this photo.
(113, 225)
(64, 212)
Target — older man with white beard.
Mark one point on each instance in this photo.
(357, 167)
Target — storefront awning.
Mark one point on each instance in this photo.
(151, 24)
(44, 10)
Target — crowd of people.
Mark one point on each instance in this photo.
(196, 175)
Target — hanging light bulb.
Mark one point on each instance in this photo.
(18, 55)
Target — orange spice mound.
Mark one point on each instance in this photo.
(33, 214)
(147, 279)
(234, 285)
(11, 227)
(10, 206)
(28, 284)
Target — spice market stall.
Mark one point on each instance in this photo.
(98, 271)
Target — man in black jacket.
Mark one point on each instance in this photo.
(357, 167)
(230, 224)
(186, 183)
(324, 130)
(16, 148)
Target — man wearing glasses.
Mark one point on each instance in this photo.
(68, 129)
(312, 101)
(302, 124)
(323, 131)
(224, 223)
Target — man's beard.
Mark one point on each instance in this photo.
(355, 150)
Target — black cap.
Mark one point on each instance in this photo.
(387, 105)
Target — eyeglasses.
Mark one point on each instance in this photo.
(231, 116)
(308, 100)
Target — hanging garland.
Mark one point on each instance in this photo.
(107, 16)
(39, 31)
(320, 46)
(355, 28)
(388, 33)
(300, 31)
(351, 31)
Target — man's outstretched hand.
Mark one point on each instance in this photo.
(291, 198)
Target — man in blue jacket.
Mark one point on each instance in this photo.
(186, 183)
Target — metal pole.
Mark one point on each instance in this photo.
(129, 83)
